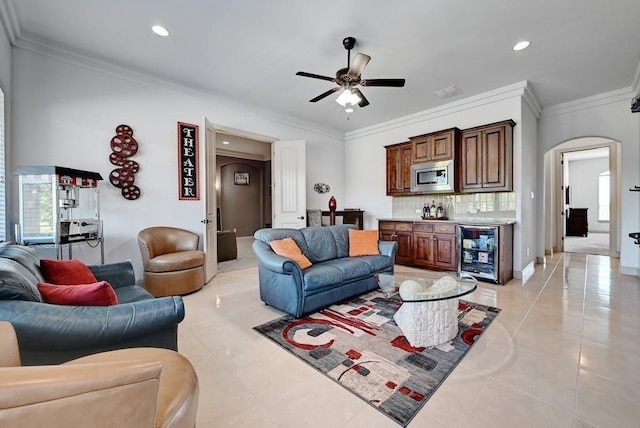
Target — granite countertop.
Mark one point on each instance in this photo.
(462, 221)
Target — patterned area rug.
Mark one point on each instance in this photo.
(358, 345)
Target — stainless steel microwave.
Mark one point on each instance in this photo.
(433, 177)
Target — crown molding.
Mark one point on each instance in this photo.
(241, 155)
(107, 67)
(490, 97)
(624, 94)
(635, 83)
(9, 20)
(531, 99)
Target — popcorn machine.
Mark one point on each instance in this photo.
(59, 206)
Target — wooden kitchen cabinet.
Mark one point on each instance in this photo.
(436, 146)
(435, 245)
(485, 158)
(399, 169)
(401, 232)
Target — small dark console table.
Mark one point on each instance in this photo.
(577, 222)
(348, 217)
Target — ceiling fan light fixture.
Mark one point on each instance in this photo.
(348, 97)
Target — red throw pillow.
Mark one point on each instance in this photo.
(96, 294)
(66, 272)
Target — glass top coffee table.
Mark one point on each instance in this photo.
(429, 312)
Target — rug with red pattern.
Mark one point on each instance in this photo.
(358, 344)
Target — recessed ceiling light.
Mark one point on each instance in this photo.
(521, 45)
(160, 30)
(225, 142)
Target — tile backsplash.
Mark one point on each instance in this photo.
(500, 205)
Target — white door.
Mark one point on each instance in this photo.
(208, 180)
(289, 184)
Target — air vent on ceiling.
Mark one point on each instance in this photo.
(447, 92)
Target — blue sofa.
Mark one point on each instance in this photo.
(52, 334)
(333, 276)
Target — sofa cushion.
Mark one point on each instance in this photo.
(26, 256)
(268, 235)
(132, 293)
(66, 272)
(363, 243)
(96, 294)
(321, 244)
(17, 282)
(320, 276)
(352, 268)
(171, 262)
(376, 263)
(287, 248)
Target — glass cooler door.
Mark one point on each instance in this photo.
(479, 251)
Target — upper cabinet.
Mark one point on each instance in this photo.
(435, 146)
(485, 159)
(399, 169)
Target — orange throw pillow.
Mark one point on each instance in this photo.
(96, 294)
(287, 247)
(363, 243)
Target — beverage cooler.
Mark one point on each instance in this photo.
(480, 251)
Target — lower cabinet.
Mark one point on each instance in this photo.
(401, 232)
(423, 244)
(435, 246)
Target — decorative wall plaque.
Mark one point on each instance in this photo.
(123, 146)
(188, 158)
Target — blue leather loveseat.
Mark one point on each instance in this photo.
(52, 334)
(332, 277)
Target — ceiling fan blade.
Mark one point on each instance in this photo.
(393, 83)
(358, 65)
(363, 101)
(324, 95)
(315, 76)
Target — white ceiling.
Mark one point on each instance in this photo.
(250, 50)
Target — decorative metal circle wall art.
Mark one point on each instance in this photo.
(321, 188)
(123, 146)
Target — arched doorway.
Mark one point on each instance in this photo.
(562, 198)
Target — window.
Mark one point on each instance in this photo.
(603, 196)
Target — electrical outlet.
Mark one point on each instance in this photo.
(418, 211)
(528, 251)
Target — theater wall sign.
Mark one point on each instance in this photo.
(188, 183)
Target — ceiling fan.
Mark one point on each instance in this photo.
(350, 77)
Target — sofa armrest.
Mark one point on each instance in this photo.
(388, 248)
(116, 274)
(70, 395)
(273, 262)
(42, 326)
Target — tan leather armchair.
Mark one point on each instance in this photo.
(137, 387)
(172, 263)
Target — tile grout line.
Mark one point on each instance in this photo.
(584, 302)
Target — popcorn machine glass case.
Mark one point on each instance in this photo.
(58, 206)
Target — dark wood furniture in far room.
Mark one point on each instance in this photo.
(577, 222)
(348, 217)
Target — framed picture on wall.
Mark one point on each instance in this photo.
(241, 178)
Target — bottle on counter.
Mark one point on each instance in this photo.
(440, 211)
(426, 212)
(433, 208)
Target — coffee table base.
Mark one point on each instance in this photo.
(428, 323)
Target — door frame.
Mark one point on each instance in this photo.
(579, 144)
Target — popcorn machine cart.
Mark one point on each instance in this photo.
(59, 207)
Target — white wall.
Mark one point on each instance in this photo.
(525, 170)
(583, 188)
(66, 110)
(365, 177)
(5, 85)
(608, 116)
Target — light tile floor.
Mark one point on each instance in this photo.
(564, 352)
